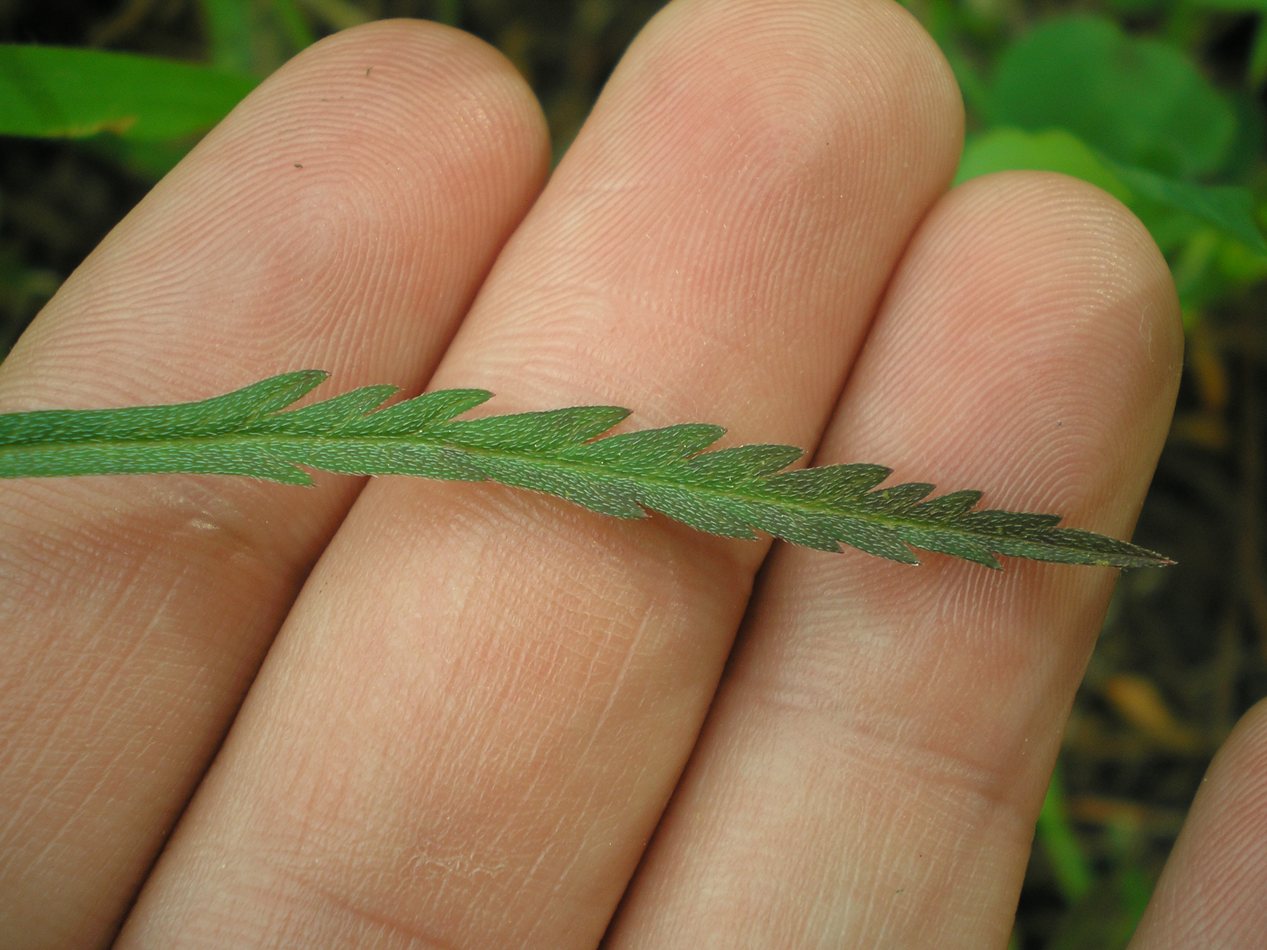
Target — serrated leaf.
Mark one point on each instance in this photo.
(331, 415)
(733, 492)
(542, 431)
(743, 462)
(650, 449)
(226, 413)
(419, 413)
(715, 515)
(954, 503)
(899, 498)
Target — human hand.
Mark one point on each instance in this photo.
(470, 721)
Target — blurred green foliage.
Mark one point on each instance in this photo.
(1159, 102)
(1139, 100)
(1122, 96)
(52, 92)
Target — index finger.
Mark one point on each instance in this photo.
(340, 218)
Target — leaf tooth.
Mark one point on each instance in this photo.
(601, 493)
(828, 483)
(224, 413)
(949, 506)
(872, 538)
(714, 515)
(898, 498)
(744, 461)
(648, 449)
(532, 432)
(807, 530)
(949, 541)
(324, 418)
(240, 408)
(274, 393)
(419, 413)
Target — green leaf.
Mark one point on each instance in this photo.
(1073, 873)
(1136, 100)
(1234, 6)
(1257, 70)
(231, 27)
(1056, 150)
(337, 14)
(448, 12)
(293, 25)
(247, 36)
(1228, 209)
(50, 92)
(733, 492)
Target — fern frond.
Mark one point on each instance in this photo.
(733, 492)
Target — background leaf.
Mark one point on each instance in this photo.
(1056, 150)
(1138, 101)
(249, 37)
(1228, 209)
(73, 93)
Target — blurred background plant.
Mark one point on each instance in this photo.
(1160, 102)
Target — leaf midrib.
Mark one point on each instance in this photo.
(545, 459)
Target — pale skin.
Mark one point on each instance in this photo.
(457, 715)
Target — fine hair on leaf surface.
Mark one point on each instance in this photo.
(732, 492)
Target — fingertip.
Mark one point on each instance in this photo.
(1212, 891)
(339, 199)
(419, 60)
(1089, 239)
(1034, 312)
